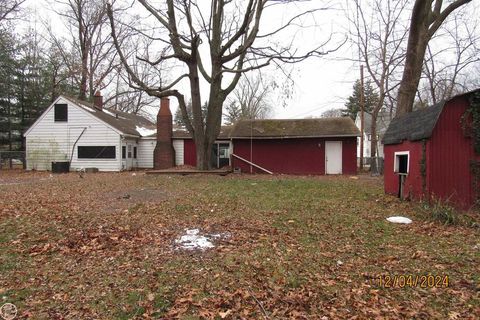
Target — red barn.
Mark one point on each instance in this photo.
(429, 153)
(303, 146)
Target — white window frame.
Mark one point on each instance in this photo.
(396, 162)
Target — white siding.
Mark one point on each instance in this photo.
(145, 153)
(49, 141)
(178, 146)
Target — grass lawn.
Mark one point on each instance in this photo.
(103, 247)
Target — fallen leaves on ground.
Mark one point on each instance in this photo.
(102, 247)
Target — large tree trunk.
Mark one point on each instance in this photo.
(373, 142)
(83, 77)
(427, 17)
(201, 143)
(213, 119)
(417, 44)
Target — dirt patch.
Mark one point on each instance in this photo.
(128, 198)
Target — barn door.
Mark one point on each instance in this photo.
(333, 157)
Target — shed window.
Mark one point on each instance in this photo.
(96, 152)
(61, 112)
(401, 162)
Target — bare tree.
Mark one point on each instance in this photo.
(444, 74)
(127, 99)
(379, 36)
(87, 21)
(9, 8)
(249, 100)
(215, 44)
(332, 113)
(427, 17)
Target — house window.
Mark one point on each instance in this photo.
(134, 152)
(129, 151)
(61, 112)
(96, 152)
(124, 152)
(401, 162)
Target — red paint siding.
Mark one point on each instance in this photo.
(189, 152)
(291, 156)
(413, 181)
(448, 156)
(349, 156)
(451, 152)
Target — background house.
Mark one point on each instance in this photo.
(429, 153)
(87, 135)
(383, 121)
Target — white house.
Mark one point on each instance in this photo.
(383, 120)
(87, 135)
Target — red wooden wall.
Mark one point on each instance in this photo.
(189, 152)
(292, 156)
(449, 171)
(448, 156)
(413, 181)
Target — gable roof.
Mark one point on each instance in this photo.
(413, 126)
(124, 122)
(295, 128)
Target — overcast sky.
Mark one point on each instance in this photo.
(319, 83)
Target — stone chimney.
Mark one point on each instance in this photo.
(98, 100)
(164, 154)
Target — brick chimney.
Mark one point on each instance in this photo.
(164, 154)
(98, 100)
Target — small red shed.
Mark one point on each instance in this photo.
(295, 146)
(429, 153)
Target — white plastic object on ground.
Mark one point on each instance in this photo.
(399, 219)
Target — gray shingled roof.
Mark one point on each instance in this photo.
(295, 128)
(127, 123)
(184, 134)
(413, 126)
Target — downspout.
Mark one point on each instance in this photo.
(76, 141)
(120, 153)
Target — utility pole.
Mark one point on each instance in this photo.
(362, 118)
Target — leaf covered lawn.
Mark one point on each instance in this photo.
(103, 247)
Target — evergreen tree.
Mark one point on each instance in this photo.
(353, 102)
(8, 102)
(29, 81)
